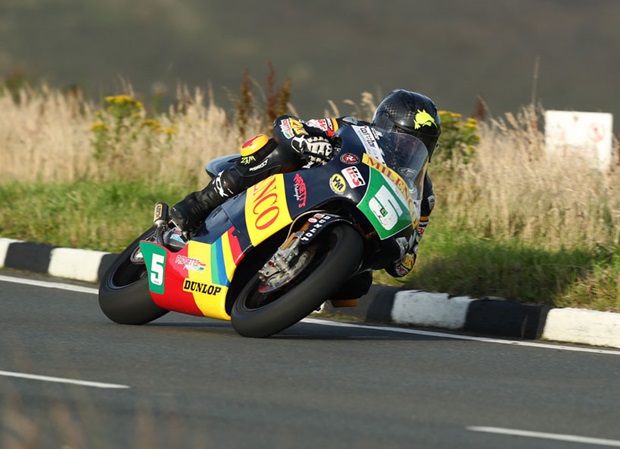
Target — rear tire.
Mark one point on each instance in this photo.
(124, 295)
(258, 315)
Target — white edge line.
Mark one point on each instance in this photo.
(465, 337)
(94, 291)
(61, 286)
(83, 383)
(547, 436)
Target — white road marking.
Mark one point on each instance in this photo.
(46, 284)
(547, 436)
(322, 322)
(466, 337)
(62, 380)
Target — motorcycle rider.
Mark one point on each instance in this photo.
(300, 144)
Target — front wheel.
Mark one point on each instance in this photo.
(124, 295)
(260, 312)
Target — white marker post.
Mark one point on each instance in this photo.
(581, 134)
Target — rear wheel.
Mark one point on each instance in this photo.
(261, 311)
(124, 295)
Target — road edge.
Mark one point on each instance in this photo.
(383, 304)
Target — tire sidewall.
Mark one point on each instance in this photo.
(340, 262)
(131, 303)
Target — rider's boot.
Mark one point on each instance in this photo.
(189, 213)
(260, 158)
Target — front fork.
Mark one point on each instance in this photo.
(282, 258)
(295, 253)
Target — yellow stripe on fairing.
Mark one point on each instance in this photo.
(229, 262)
(212, 305)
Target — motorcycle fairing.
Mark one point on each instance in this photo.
(196, 279)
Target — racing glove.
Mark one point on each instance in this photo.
(315, 150)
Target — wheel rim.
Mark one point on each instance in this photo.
(283, 278)
(126, 274)
(262, 295)
(131, 268)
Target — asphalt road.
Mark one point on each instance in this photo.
(69, 378)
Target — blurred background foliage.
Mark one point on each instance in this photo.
(108, 106)
(510, 52)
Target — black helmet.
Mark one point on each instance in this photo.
(411, 113)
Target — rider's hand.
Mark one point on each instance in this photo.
(314, 149)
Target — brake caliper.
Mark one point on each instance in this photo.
(286, 263)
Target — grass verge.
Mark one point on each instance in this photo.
(511, 220)
(107, 217)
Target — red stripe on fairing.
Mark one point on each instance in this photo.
(174, 298)
(235, 247)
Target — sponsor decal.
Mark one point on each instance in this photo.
(200, 287)
(353, 177)
(298, 127)
(349, 158)
(301, 193)
(247, 160)
(337, 184)
(189, 263)
(317, 221)
(370, 142)
(287, 130)
(265, 208)
(316, 217)
(292, 127)
(423, 118)
(259, 166)
(326, 125)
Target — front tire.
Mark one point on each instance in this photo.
(124, 295)
(258, 315)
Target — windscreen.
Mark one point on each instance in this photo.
(406, 155)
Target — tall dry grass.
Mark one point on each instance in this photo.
(513, 188)
(50, 136)
(43, 135)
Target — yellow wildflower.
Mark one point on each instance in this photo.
(98, 126)
(153, 124)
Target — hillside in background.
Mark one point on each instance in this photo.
(451, 50)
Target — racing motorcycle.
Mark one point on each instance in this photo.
(272, 255)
